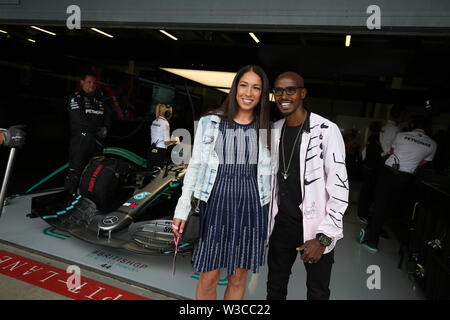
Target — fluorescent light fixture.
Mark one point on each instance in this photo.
(168, 34)
(254, 37)
(102, 32)
(347, 40)
(31, 40)
(3, 31)
(219, 80)
(215, 79)
(223, 90)
(43, 30)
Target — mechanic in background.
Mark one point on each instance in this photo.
(410, 151)
(89, 124)
(160, 138)
(371, 167)
(390, 129)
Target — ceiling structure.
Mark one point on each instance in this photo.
(379, 68)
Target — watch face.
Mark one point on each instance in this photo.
(325, 241)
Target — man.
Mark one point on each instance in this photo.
(89, 124)
(390, 129)
(310, 192)
(13, 137)
(371, 165)
(410, 150)
(386, 137)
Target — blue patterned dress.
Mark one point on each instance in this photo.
(234, 225)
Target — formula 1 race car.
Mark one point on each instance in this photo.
(121, 204)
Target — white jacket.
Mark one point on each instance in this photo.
(323, 179)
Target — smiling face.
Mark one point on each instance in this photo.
(249, 90)
(288, 104)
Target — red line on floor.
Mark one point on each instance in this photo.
(60, 281)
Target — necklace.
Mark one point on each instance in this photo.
(285, 171)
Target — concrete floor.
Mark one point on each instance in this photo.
(349, 276)
(13, 289)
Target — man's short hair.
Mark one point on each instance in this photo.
(88, 74)
(397, 110)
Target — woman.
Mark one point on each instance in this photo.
(160, 128)
(160, 138)
(230, 173)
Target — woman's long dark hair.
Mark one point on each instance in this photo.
(229, 108)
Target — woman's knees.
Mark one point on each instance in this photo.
(239, 279)
(209, 280)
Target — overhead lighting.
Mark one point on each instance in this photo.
(218, 80)
(254, 37)
(223, 90)
(3, 31)
(168, 34)
(347, 40)
(31, 40)
(102, 32)
(43, 30)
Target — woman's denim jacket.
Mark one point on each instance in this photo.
(202, 169)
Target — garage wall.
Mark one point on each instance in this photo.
(274, 14)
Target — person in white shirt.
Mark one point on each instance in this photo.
(391, 128)
(160, 137)
(409, 151)
(160, 128)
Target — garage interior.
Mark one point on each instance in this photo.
(351, 85)
(360, 81)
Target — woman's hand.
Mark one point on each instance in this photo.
(178, 227)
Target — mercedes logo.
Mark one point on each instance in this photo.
(110, 220)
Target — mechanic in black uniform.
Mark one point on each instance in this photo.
(372, 163)
(89, 124)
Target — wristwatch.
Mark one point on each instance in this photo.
(324, 240)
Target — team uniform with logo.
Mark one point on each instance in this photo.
(159, 133)
(410, 148)
(397, 177)
(89, 123)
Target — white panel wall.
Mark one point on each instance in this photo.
(232, 13)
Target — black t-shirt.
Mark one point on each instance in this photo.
(289, 191)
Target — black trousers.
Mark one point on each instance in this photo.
(281, 257)
(83, 147)
(156, 157)
(367, 194)
(391, 196)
